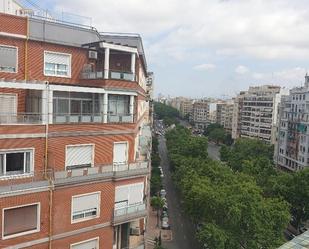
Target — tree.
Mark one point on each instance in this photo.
(218, 135)
(157, 203)
(233, 209)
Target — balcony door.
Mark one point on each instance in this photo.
(8, 108)
(120, 156)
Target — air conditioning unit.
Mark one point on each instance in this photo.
(93, 55)
(135, 231)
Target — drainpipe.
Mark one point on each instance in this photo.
(26, 50)
(48, 175)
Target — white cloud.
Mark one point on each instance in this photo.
(205, 67)
(241, 69)
(255, 28)
(288, 77)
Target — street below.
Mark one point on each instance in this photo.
(183, 229)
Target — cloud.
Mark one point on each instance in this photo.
(289, 77)
(241, 69)
(260, 29)
(205, 67)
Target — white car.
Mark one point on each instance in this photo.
(165, 224)
(163, 193)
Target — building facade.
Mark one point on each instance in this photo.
(224, 114)
(186, 107)
(75, 136)
(292, 147)
(257, 115)
(200, 114)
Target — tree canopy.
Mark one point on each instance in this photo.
(229, 205)
(167, 113)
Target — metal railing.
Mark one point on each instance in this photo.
(130, 212)
(112, 74)
(93, 118)
(20, 182)
(21, 118)
(120, 118)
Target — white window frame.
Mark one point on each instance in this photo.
(20, 150)
(85, 241)
(23, 233)
(16, 68)
(86, 218)
(130, 185)
(78, 145)
(127, 151)
(57, 75)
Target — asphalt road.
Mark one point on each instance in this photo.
(214, 151)
(182, 228)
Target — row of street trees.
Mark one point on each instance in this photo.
(229, 205)
(167, 113)
(255, 158)
(217, 133)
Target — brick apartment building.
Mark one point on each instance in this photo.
(75, 136)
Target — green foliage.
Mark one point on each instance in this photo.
(155, 181)
(157, 202)
(167, 113)
(216, 132)
(232, 207)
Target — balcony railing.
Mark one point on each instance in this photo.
(130, 212)
(120, 118)
(22, 182)
(21, 118)
(112, 74)
(92, 118)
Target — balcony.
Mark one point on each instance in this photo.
(101, 172)
(41, 179)
(21, 118)
(112, 74)
(128, 213)
(120, 118)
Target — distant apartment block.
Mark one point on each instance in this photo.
(200, 114)
(257, 113)
(186, 107)
(292, 148)
(224, 114)
(75, 136)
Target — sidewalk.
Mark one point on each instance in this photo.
(152, 231)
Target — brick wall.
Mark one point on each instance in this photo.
(13, 24)
(43, 198)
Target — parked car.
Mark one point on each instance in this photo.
(165, 223)
(163, 193)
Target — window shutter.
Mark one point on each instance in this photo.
(8, 57)
(22, 219)
(8, 103)
(55, 58)
(122, 193)
(136, 193)
(79, 155)
(85, 202)
(92, 244)
(120, 153)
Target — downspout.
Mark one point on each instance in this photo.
(26, 50)
(48, 175)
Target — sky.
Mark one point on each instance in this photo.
(209, 48)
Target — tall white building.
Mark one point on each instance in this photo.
(292, 148)
(257, 113)
(201, 114)
(10, 7)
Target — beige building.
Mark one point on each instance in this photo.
(200, 114)
(292, 148)
(186, 107)
(257, 113)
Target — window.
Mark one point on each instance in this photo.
(118, 104)
(57, 64)
(129, 195)
(85, 207)
(79, 156)
(87, 244)
(16, 162)
(21, 220)
(8, 59)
